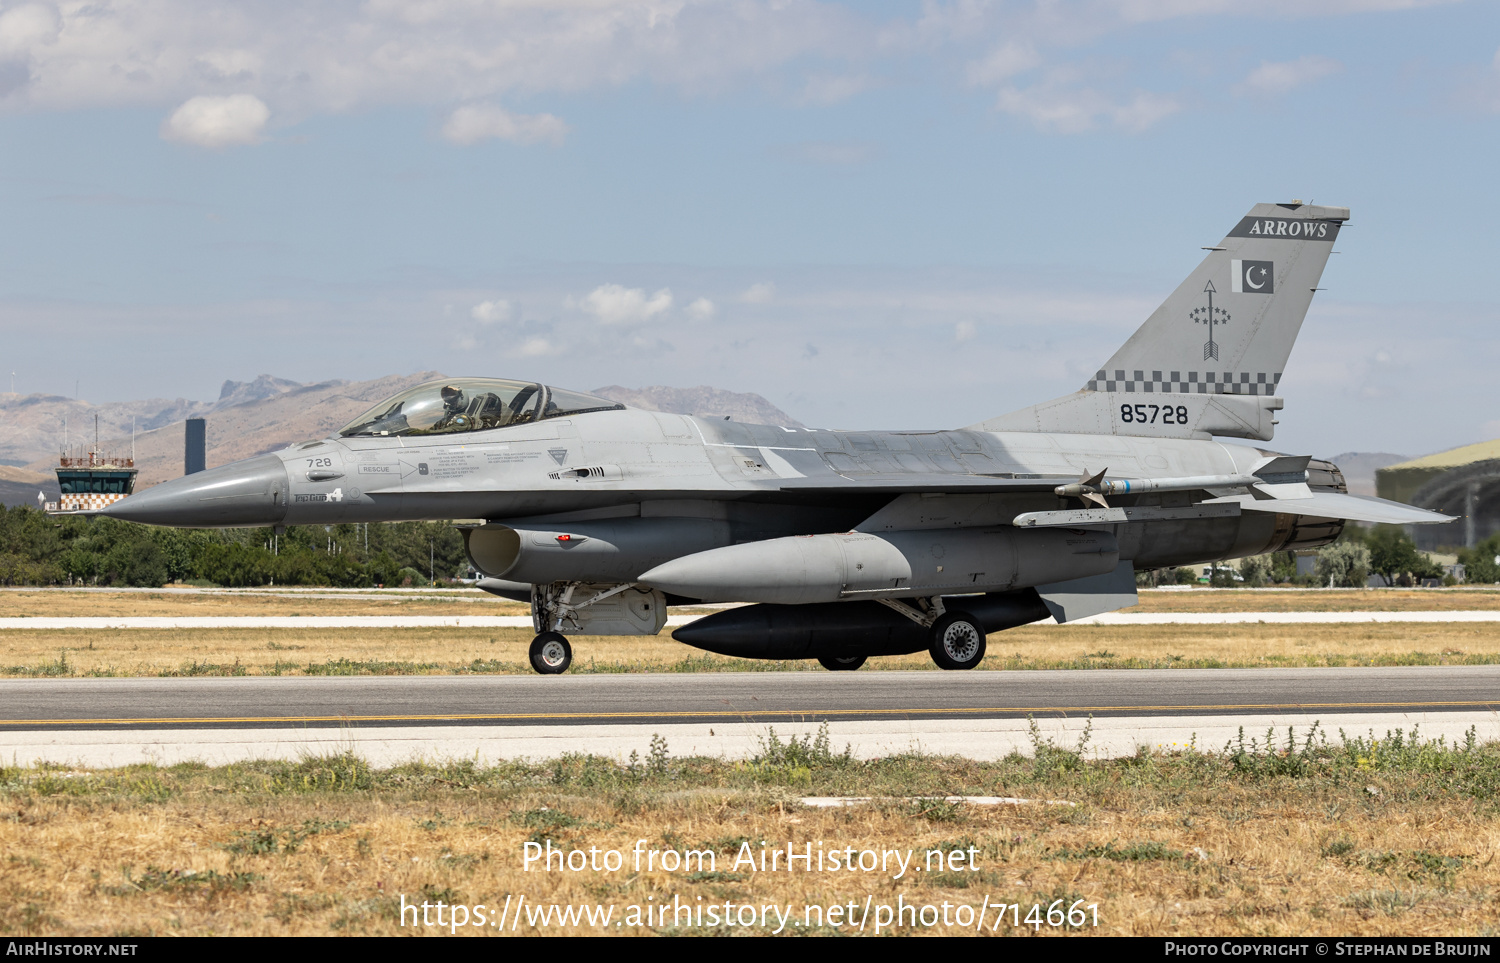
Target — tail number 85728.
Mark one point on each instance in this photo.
(1147, 414)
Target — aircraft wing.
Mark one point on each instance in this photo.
(1355, 508)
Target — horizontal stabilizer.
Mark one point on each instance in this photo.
(1354, 508)
(1275, 466)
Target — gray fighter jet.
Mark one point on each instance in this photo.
(848, 544)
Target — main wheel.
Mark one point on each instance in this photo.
(845, 664)
(551, 654)
(957, 641)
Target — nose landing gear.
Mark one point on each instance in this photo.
(551, 654)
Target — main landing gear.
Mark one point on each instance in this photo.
(954, 639)
(551, 654)
(841, 664)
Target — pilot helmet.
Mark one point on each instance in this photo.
(453, 397)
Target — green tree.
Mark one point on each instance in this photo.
(1343, 565)
(1393, 553)
(1256, 570)
(1479, 561)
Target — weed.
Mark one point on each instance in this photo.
(547, 823)
(1050, 758)
(196, 668)
(354, 912)
(1391, 902)
(794, 761)
(1413, 864)
(438, 821)
(939, 810)
(659, 758)
(1133, 853)
(156, 878)
(264, 842)
(713, 877)
(291, 905)
(447, 894)
(1289, 760)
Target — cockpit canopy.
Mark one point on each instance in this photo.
(471, 404)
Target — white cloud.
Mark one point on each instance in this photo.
(759, 293)
(490, 312)
(1142, 111)
(1004, 62)
(1068, 110)
(310, 58)
(617, 304)
(1272, 79)
(477, 122)
(218, 121)
(229, 66)
(333, 58)
(827, 91)
(1151, 10)
(701, 310)
(965, 331)
(535, 348)
(27, 27)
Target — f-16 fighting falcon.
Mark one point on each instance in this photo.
(848, 544)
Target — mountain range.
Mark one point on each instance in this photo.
(253, 417)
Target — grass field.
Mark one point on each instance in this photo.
(174, 652)
(64, 603)
(168, 652)
(1315, 837)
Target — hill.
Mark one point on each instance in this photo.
(1359, 468)
(253, 417)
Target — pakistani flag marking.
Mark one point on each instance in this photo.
(1252, 277)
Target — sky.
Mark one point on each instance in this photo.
(877, 215)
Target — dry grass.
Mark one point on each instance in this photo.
(69, 603)
(1319, 600)
(149, 652)
(66, 603)
(1334, 840)
(153, 652)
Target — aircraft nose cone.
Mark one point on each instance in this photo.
(252, 492)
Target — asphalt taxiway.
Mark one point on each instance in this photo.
(981, 714)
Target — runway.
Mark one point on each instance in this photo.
(979, 714)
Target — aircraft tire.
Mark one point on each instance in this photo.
(551, 654)
(845, 664)
(957, 641)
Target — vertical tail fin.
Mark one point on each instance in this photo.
(1209, 360)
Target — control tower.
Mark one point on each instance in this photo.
(89, 478)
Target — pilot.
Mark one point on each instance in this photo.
(454, 416)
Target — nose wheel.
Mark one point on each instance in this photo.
(844, 664)
(551, 654)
